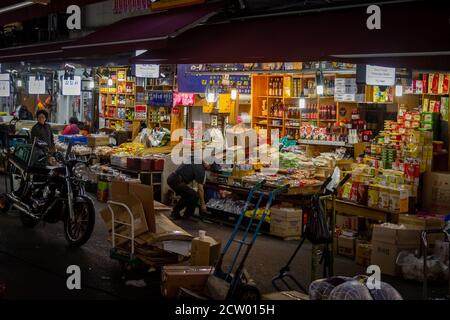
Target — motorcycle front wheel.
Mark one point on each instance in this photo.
(79, 230)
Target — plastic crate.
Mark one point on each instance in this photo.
(74, 139)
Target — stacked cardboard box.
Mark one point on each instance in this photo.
(285, 221)
(205, 250)
(436, 192)
(387, 242)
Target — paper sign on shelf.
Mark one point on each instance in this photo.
(147, 70)
(4, 76)
(140, 112)
(72, 87)
(380, 76)
(4, 88)
(36, 86)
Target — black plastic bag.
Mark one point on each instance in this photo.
(317, 230)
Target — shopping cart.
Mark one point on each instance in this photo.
(327, 194)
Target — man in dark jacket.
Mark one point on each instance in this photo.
(42, 130)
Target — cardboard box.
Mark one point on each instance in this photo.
(97, 140)
(285, 295)
(204, 252)
(346, 246)
(145, 195)
(363, 252)
(121, 214)
(286, 212)
(347, 222)
(193, 278)
(436, 192)
(286, 228)
(385, 255)
(406, 236)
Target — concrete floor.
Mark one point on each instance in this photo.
(33, 263)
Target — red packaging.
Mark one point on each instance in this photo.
(157, 165)
(354, 192)
(445, 84)
(425, 83)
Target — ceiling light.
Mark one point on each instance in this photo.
(16, 6)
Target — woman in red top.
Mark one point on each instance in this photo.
(72, 127)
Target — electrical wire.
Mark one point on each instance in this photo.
(36, 266)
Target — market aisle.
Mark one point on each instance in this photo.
(33, 263)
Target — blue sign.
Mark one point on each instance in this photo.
(195, 83)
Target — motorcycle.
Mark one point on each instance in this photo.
(51, 193)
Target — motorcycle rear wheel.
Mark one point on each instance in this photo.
(79, 231)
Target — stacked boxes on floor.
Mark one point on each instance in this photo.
(285, 221)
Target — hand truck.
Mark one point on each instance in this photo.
(127, 260)
(237, 285)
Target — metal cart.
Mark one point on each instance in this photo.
(424, 242)
(321, 254)
(127, 259)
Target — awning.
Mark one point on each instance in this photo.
(37, 10)
(147, 31)
(329, 35)
(36, 52)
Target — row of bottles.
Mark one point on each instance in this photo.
(159, 115)
(277, 109)
(327, 112)
(311, 111)
(276, 86)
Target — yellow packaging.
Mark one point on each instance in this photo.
(373, 196)
(384, 199)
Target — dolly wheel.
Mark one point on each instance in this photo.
(247, 292)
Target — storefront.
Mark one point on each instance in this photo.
(349, 154)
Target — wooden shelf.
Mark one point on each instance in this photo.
(432, 94)
(118, 94)
(120, 119)
(293, 127)
(276, 118)
(261, 124)
(112, 105)
(275, 126)
(328, 120)
(260, 117)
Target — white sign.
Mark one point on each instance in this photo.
(345, 89)
(4, 76)
(147, 70)
(36, 86)
(380, 76)
(72, 87)
(4, 88)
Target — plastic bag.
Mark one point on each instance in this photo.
(317, 230)
(350, 290)
(321, 289)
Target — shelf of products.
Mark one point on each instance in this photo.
(118, 98)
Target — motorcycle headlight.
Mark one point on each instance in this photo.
(80, 171)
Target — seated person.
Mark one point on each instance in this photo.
(72, 128)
